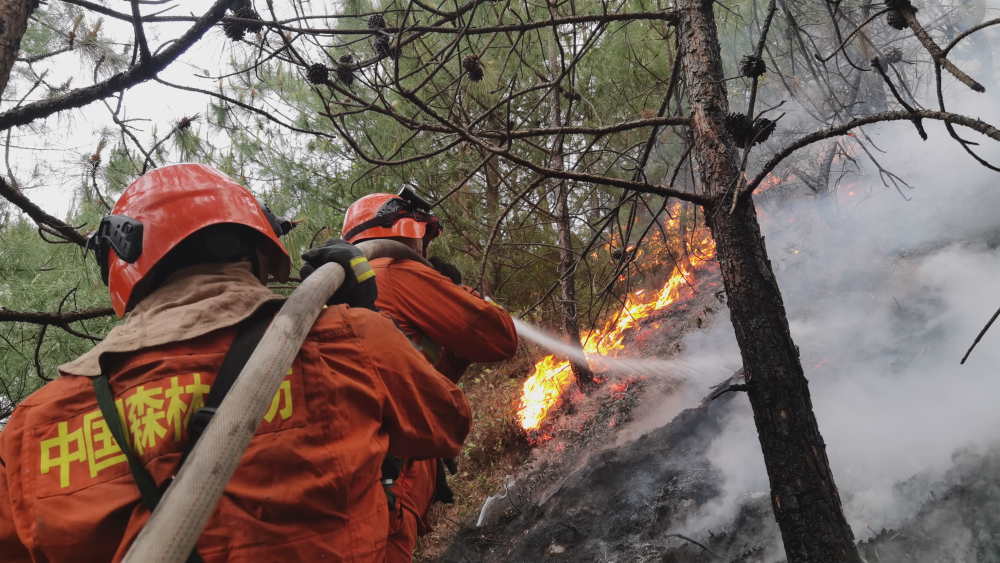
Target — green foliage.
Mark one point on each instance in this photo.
(621, 76)
(38, 276)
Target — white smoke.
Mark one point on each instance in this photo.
(884, 296)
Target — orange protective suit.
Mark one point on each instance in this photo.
(453, 326)
(308, 486)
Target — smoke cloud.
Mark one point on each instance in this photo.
(884, 295)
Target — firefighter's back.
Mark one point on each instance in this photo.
(307, 487)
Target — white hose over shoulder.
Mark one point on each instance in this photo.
(189, 502)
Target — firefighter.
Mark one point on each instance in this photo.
(450, 323)
(184, 254)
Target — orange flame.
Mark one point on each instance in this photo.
(551, 376)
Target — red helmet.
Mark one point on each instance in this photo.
(385, 216)
(166, 206)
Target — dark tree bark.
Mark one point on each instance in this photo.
(567, 260)
(803, 493)
(491, 278)
(13, 23)
(567, 273)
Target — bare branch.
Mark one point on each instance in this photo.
(969, 32)
(140, 34)
(980, 336)
(135, 75)
(877, 65)
(57, 319)
(935, 51)
(947, 117)
(39, 216)
(669, 17)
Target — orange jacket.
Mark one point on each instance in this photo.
(308, 487)
(453, 326)
(450, 323)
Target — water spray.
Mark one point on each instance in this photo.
(597, 362)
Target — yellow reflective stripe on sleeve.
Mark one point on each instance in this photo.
(362, 269)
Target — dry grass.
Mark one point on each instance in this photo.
(496, 447)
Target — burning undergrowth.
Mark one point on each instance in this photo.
(585, 425)
(549, 383)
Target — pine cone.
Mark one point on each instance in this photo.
(762, 129)
(740, 128)
(248, 13)
(185, 122)
(376, 21)
(895, 20)
(345, 72)
(317, 73)
(384, 47)
(473, 68)
(752, 66)
(893, 56)
(233, 30)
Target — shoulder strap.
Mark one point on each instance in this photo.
(248, 335)
(106, 401)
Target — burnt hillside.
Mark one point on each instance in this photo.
(884, 297)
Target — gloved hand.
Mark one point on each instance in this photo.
(442, 491)
(447, 269)
(358, 289)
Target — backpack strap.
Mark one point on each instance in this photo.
(148, 490)
(248, 334)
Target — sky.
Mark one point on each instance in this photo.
(73, 135)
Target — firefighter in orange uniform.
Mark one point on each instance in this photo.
(450, 323)
(184, 253)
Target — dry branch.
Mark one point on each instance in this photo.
(47, 318)
(954, 118)
(936, 52)
(39, 216)
(121, 81)
(668, 17)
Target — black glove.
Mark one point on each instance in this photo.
(446, 269)
(358, 289)
(443, 492)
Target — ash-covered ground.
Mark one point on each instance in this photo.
(884, 295)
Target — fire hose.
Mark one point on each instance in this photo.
(175, 526)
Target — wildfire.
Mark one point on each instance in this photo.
(551, 376)
(773, 181)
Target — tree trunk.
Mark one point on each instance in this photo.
(13, 22)
(803, 493)
(492, 273)
(567, 260)
(567, 273)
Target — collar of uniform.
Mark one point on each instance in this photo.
(194, 301)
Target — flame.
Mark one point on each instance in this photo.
(773, 180)
(551, 376)
(542, 390)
